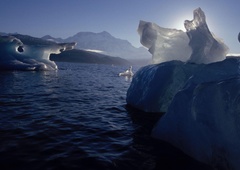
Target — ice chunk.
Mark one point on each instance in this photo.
(197, 45)
(205, 123)
(201, 97)
(203, 117)
(163, 43)
(128, 72)
(206, 48)
(202, 104)
(154, 86)
(14, 55)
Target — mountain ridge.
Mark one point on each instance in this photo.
(74, 55)
(105, 42)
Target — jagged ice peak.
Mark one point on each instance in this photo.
(196, 45)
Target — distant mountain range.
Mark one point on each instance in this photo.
(82, 56)
(94, 48)
(105, 43)
(75, 55)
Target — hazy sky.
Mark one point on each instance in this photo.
(64, 18)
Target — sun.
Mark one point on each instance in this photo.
(178, 21)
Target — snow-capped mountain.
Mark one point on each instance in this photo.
(50, 38)
(106, 43)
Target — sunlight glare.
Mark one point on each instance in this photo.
(96, 51)
(178, 21)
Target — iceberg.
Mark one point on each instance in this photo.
(203, 121)
(200, 95)
(196, 45)
(15, 55)
(127, 73)
(164, 44)
(206, 48)
(154, 86)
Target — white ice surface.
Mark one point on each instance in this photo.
(196, 45)
(14, 55)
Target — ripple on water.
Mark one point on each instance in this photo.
(75, 118)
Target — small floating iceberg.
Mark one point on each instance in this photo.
(128, 72)
(29, 53)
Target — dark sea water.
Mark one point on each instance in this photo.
(77, 118)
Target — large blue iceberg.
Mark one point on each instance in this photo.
(14, 55)
(200, 93)
(203, 120)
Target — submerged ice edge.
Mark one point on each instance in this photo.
(15, 55)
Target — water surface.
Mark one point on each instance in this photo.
(77, 118)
